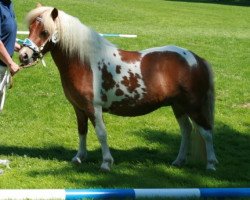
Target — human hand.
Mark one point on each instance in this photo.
(14, 68)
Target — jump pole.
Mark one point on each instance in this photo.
(101, 34)
(174, 193)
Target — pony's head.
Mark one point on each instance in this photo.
(49, 26)
(43, 34)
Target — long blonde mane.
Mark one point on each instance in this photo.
(75, 38)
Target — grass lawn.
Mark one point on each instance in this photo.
(38, 125)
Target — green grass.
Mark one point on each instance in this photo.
(38, 126)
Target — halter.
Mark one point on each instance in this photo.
(38, 50)
(30, 44)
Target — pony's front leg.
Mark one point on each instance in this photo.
(82, 123)
(102, 137)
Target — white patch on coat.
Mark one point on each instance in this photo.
(186, 54)
(112, 59)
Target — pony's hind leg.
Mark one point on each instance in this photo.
(102, 137)
(208, 138)
(82, 122)
(204, 125)
(186, 129)
(203, 119)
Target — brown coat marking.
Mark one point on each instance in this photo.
(169, 79)
(119, 92)
(131, 82)
(130, 56)
(77, 82)
(118, 69)
(107, 78)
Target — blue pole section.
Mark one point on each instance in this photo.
(147, 193)
(225, 192)
(99, 194)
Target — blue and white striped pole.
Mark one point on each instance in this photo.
(71, 194)
(117, 35)
(101, 34)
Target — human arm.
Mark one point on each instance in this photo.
(5, 57)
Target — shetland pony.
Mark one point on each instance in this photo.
(98, 77)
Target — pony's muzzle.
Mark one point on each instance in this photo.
(26, 56)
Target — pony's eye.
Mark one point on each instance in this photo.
(44, 34)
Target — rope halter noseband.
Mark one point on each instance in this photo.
(38, 54)
(30, 44)
(38, 50)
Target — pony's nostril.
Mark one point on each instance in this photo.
(24, 56)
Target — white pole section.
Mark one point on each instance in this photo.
(34, 194)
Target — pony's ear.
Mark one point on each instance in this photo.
(54, 14)
(39, 5)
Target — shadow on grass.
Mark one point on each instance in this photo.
(223, 2)
(48, 153)
(138, 154)
(134, 155)
(146, 167)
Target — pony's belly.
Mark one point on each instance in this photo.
(135, 103)
(128, 107)
(129, 110)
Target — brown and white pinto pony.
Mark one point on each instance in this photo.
(98, 77)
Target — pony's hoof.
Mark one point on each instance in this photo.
(211, 164)
(76, 160)
(106, 167)
(79, 158)
(179, 162)
(211, 167)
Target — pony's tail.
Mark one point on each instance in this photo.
(198, 148)
(209, 104)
